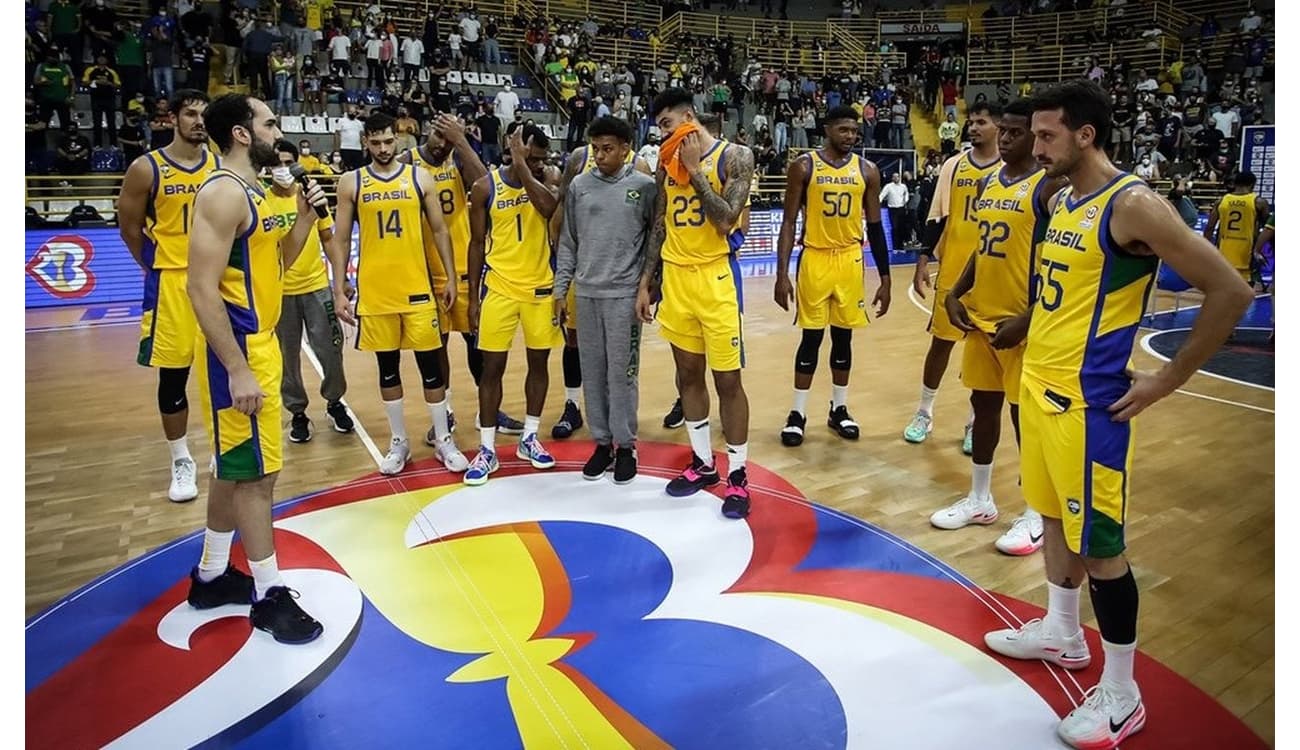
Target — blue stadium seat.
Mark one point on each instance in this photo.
(372, 97)
(107, 160)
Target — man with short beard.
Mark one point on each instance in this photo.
(155, 214)
(241, 243)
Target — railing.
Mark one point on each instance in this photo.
(789, 50)
(1062, 62)
(647, 16)
(951, 12)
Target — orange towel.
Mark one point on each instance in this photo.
(668, 152)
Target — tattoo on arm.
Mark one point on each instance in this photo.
(724, 210)
(658, 231)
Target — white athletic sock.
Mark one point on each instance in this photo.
(839, 395)
(1062, 618)
(1117, 671)
(487, 437)
(970, 418)
(927, 401)
(736, 456)
(701, 441)
(216, 553)
(801, 402)
(266, 574)
(572, 394)
(180, 448)
(531, 425)
(980, 478)
(396, 422)
(448, 397)
(439, 411)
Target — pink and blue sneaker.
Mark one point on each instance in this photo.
(481, 467)
(531, 450)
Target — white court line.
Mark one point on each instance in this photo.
(83, 326)
(1146, 346)
(359, 428)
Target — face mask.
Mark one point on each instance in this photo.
(352, 115)
(282, 176)
(305, 151)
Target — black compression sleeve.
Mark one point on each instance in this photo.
(879, 250)
(933, 231)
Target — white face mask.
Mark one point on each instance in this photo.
(282, 176)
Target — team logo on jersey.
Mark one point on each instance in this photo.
(61, 265)
(1091, 213)
(1072, 505)
(1024, 188)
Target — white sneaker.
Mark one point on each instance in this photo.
(1025, 537)
(451, 456)
(1032, 641)
(966, 511)
(184, 487)
(399, 454)
(1106, 718)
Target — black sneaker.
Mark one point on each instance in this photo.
(840, 421)
(675, 417)
(570, 421)
(279, 615)
(624, 465)
(736, 502)
(299, 428)
(792, 433)
(693, 478)
(601, 459)
(232, 587)
(340, 420)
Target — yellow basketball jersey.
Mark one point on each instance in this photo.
(519, 250)
(832, 211)
(691, 238)
(1237, 223)
(169, 212)
(961, 235)
(307, 274)
(1091, 298)
(252, 284)
(1011, 223)
(392, 272)
(453, 197)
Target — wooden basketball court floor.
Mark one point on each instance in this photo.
(1201, 524)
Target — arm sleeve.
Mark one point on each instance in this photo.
(879, 250)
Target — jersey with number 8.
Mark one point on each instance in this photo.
(452, 196)
(961, 235)
(393, 275)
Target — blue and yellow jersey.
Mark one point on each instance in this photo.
(518, 252)
(961, 235)
(1011, 221)
(691, 238)
(169, 212)
(1090, 300)
(252, 284)
(453, 196)
(833, 203)
(307, 274)
(393, 275)
(1237, 228)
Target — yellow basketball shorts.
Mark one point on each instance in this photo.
(500, 316)
(829, 289)
(571, 308)
(940, 326)
(245, 447)
(984, 368)
(415, 331)
(168, 328)
(1075, 466)
(701, 311)
(456, 317)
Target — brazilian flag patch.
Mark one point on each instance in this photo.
(633, 196)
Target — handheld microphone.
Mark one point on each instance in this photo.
(300, 174)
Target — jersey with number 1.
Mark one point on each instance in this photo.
(518, 254)
(452, 196)
(170, 209)
(393, 275)
(961, 235)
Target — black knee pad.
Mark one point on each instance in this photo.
(390, 368)
(805, 359)
(841, 348)
(171, 389)
(572, 367)
(430, 370)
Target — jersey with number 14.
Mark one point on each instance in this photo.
(393, 275)
(833, 203)
(451, 194)
(1011, 223)
(961, 235)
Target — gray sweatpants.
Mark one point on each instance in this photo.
(316, 310)
(609, 347)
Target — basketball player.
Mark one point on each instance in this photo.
(713, 123)
(703, 188)
(308, 302)
(837, 191)
(240, 244)
(1079, 393)
(395, 307)
(155, 212)
(453, 165)
(607, 220)
(580, 162)
(1237, 217)
(953, 236)
(990, 303)
(509, 211)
